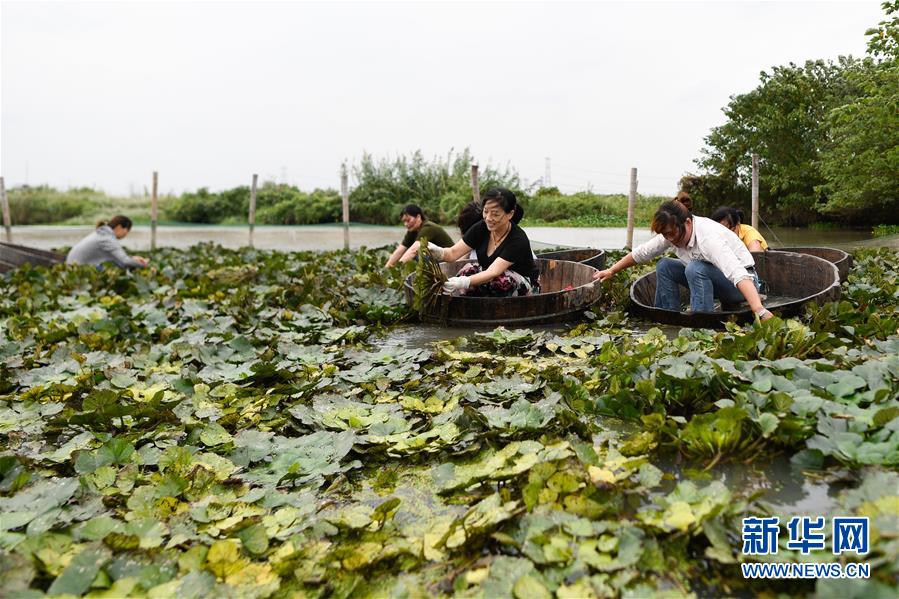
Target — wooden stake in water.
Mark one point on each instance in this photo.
(631, 208)
(7, 222)
(755, 191)
(475, 186)
(154, 206)
(345, 197)
(252, 217)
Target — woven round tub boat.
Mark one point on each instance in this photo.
(13, 255)
(567, 289)
(790, 281)
(589, 256)
(842, 260)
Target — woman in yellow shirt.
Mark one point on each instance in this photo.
(732, 218)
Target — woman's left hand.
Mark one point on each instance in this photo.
(454, 284)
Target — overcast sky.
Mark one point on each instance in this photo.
(207, 93)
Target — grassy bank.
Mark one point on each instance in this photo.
(45, 205)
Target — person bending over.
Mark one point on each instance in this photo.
(505, 265)
(732, 218)
(711, 262)
(103, 245)
(470, 214)
(417, 225)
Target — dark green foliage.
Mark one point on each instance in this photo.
(861, 162)
(203, 206)
(43, 204)
(550, 206)
(441, 187)
(826, 134)
(783, 120)
(429, 279)
(275, 205)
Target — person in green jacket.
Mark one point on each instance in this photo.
(417, 225)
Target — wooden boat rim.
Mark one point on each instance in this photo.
(799, 249)
(409, 278)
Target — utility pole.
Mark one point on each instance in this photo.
(7, 222)
(755, 191)
(154, 207)
(252, 215)
(631, 208)
(345, 197)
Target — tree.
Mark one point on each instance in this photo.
(783, 120)
(441, 187)
(861, 161)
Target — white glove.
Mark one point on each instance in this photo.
(454, 284)
(435, 250)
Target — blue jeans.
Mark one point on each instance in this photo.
(704, 280)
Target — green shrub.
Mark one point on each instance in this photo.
(276, 204)
(585, 209)
(885, 230)
(205, 207)
(320, 206)
(43, 204)
(441, 187)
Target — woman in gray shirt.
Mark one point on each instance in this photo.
(103, 246)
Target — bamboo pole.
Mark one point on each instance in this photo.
(7, 221)
(475, 185)
(755, 191)
(345, 197)
(154, 210)
(631, 208)
(252, 216)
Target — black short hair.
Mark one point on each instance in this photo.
(116, 221)
(507, 201)
(733, 216)
(413, 210)
(469, 216)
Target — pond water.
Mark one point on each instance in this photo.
(330, 237)
(787, 489)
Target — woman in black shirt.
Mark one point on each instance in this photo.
(505, 265)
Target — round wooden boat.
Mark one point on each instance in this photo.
(12, 256)
(589, 256)
(841, 259)
(567, 289)
(790, 281)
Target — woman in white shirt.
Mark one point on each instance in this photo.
(711, 262)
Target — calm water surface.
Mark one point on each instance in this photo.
(330, 237)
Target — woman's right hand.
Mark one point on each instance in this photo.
(603, 275)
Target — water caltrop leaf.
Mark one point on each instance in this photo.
(254, 539)
(81, 571)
